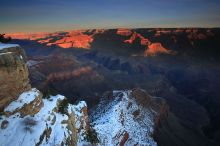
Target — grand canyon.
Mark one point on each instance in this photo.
(110, 73)
(174, 72)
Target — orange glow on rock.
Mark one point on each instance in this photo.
(154, 49)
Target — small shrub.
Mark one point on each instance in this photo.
(28, 129)
(29, 123)
(48, 92)
(92, 136)
(63, 106)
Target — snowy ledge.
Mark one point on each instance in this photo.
(4, 46)
(25, 98)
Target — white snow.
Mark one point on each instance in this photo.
(18, 133)
(25, 98)
(4, 46)
(115, 119)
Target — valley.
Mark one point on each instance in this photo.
(178, 65)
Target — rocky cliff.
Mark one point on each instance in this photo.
(29, 118)
(13, 73)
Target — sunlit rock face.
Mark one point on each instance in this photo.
(30, 36)
(132, 42)
(13, 73)
(124, 32)
(72, 39)
(75, 39)
(154, 49)
(143, 40)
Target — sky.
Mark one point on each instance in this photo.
(59, 15)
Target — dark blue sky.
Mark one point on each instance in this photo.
(55, 15)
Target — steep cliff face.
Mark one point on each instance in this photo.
(13, 73)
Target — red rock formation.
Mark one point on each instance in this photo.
(71, 39)
(144, 41)
(132, 38)
(154, 49)
(124, 139)
(45, 41)
(65, 45)
(74, 39)
(124, 32)
(31, 36)
(159, 32)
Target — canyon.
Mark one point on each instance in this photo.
(33, 118)
(178, 65)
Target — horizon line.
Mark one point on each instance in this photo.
(112, 28)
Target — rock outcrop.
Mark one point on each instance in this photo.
(144, 41)
(75, 39)
(28, 118)
(154, 49)
(49, 121)
(28, 103)
(13, 73)
(130, 118)
(124, 32)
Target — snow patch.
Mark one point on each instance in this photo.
(25, 98)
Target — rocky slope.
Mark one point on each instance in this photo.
(129, 118)
(31, 120)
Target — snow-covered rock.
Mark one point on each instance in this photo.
(48, 126)
(28, 103)
(129, 119)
